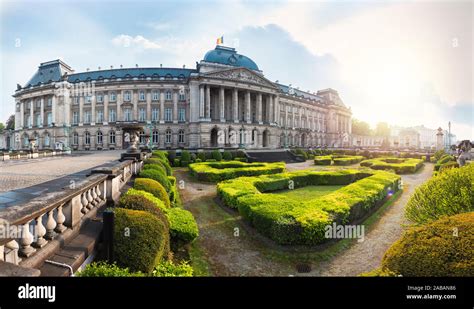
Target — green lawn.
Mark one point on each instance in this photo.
(309, 192)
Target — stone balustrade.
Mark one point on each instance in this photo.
(5, 156)
(52, 219)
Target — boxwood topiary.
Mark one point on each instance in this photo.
(103, 269)
(216, 155)
(163, 162)
(155, 166)
(442, 248)
(156, 175)
(140, 202)
(140, 240)
(227, 156)
(153, 187)
(183, 226)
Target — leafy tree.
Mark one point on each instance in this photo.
(2, 127)
(382, 129)
(360, 127)
(10, 125)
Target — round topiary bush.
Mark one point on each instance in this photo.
(155, 166)
(449, 193)
(162, 162)
(140, 240)
(183, 226)
(139, 202)
(439, 249)
(227, 156)
(153, 187)
(216, 155)
(156, 175)
(185, 156)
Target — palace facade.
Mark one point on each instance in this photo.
(225, 102)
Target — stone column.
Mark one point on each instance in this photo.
(119, 105)
(106, 110)
(349, 125)
(300, 112)
(81, 110)
(235, 105)
(259, 108)
(286, 115)
(162, 106)
(22, 114)
(208, 103)
(222, 104)
(276, 107)
(248, 116)
(93, 116)
(53, 109)
(293, 116)
(175, 106)
(41, 113)
(32, 113)
(148, 106)
(135, 105)
(202, 103)
(270, 109)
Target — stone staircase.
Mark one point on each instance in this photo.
(272, 156)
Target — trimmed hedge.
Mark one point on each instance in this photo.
(168, 269)
(140, 240)
(157, 167)
(289, 221)
(156, 175)
(442, 248)
(102, 269)
(347, 160)
(323, 160)
(399, 165)
(183, 226)
(218, 171)
(449, 193)
(153, 187)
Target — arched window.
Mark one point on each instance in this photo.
(112, 137)
(168, 136)
(155, 137)
(46, 140)
(142, 137)
(181, 136)
(75, 138)
(87, 138)
(100, 137)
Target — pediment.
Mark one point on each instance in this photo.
(241, 75)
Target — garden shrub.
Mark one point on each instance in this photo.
(197, 160)
(158, 176)
(227, 156)
(153, 187)
(217, 171)
(290, 221)
(323, 160)
(202, 156)
(449, 193)
(216, 155)
(155, 200)
(103, 269)
(185, 156)
(183, 226)
(438, 154)
(346, 159)
(441, 248)
(176, 162)
(379, 272)
(171, 155)
(155, 166)
(169, 269)
(399, 165)
(163, 160)
(140, 240)
(445, 159)
(241, 159)
(448, 165)
(211, 160)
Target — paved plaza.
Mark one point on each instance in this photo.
(23, 178)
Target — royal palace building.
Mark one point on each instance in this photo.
(225, 102)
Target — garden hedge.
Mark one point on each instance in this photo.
(337, 160)
(153, 187)
(158, 176)
(441, 248)
(140, 240)
(323, 160)
(449, 193)
(399, 165)
(218, 171)
(289, 221)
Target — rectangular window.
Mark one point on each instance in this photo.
(168, 96)
(38, 103)
(50, 119)
(155, 114)
(28, 121)
(168, 114)
(112, 115)
(182, 96)
(127, 97)
(127, 114)
(76, 100)
(141, 114)
(113, 96)
(87, 116)
(100, 116)
(100, 98)
(155, 137)
(38, 120)
(88, 99)
(155, 95)
(75, 117)
(182, 114)
(50, 101)
(141, 96)
(112, 137)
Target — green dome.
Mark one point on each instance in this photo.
(228, 56)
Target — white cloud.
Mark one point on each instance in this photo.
(138, 41)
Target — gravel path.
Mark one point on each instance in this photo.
(231, 249)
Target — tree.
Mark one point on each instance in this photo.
(382, 129)
(10, 123)
(2, 126)
(360, 127)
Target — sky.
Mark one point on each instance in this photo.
(407, 63)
